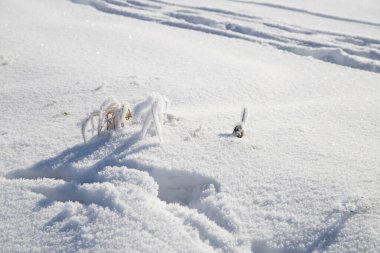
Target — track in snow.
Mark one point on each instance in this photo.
(346, 50)
(322, 15)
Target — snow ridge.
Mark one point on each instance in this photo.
(346, 50)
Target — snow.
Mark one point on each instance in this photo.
(354, 51)
(304, 177)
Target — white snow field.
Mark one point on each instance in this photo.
(304, 178)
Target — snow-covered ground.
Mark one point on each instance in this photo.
(304, 178)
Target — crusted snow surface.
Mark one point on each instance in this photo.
(304, 178)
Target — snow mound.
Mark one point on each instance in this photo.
(121, 176)
(114, 181)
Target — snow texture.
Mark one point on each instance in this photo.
(304, 178)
